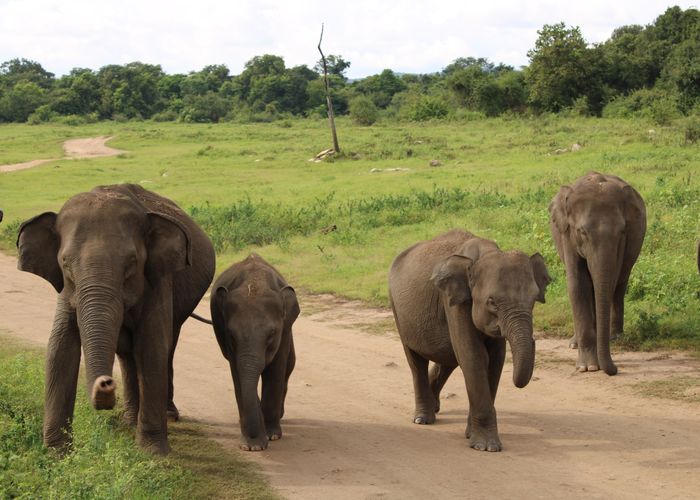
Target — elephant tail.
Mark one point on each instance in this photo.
(199, 318)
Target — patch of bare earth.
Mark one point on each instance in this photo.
(73, 149)
(348, 431)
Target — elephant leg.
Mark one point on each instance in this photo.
(580, 288)
(131, 387)
(617, 316)
(496, 349)
(425, 402)
(250, 415)
(172, 411)
(438, 377)
(291, 362)
(274, 388)
(62, 365)
(152, 346)
(482, 426)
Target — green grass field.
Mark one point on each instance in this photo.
(253, 189)
(104, 462)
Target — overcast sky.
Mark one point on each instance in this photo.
(403, 35)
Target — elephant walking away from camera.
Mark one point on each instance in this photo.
(129, 267)
(598, 225)
(253, 309)
(456, 299)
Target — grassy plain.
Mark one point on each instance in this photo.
(252, 188)
(104, 462)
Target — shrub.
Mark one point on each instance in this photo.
(655, 104)
(363, 111)
(692, 130)
(42, 114)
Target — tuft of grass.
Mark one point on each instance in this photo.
(678, 388)
(104, 461)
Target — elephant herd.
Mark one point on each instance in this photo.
(130, 267)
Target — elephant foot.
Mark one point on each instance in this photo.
(573, 344)
(172, 412)
(274, 432)
(424, 418)
(60, 441)
(485, 441)
(587, 360)
(155, 445)
(253, 444)
(130, 417)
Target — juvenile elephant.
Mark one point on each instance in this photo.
(456, 299)
(129, 267)
(598, 225)
(252, 310)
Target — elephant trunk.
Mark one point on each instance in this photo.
(517, 328)
(249, 370)
(603, 281)
(99, 312)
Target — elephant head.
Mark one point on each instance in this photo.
(600, 217)
(501, 289)
(103, 253)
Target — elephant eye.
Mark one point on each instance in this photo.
(490, 303)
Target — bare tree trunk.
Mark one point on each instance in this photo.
(329, 103)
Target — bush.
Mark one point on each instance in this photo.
(655, 104)
(42, 114)
(692, 130)
(168, 115)
(363, 111)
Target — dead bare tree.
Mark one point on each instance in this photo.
(329, 103)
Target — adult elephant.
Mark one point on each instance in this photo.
(253, 309)
(456, 299)
(129, 267)
(598, 225)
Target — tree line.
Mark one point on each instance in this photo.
(651, 71)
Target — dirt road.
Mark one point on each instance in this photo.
(73, 149)
(348, 430)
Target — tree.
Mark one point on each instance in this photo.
(130, 90)
(20, 101)
(558, 68)
(335, 65)
(77, 93)
(24, 70)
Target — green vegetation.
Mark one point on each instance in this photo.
(104, 462)
(252, 188)
(649, 71)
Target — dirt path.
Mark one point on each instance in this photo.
(347, 425)
(73, 149)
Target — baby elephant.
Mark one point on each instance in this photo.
(252, 310)
(456, 300)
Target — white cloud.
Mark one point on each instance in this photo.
(404, 35)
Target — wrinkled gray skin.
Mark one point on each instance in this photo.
(129, 266)
(598, 225)
(253, 309)
(456, 300)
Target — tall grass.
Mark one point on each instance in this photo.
(104, 462)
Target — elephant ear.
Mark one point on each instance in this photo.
(634, 205)
(38, 244)
(169, 246)
(542, 278)
(452, 276)
(218, 318)
(291, 305)
(559, 210)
